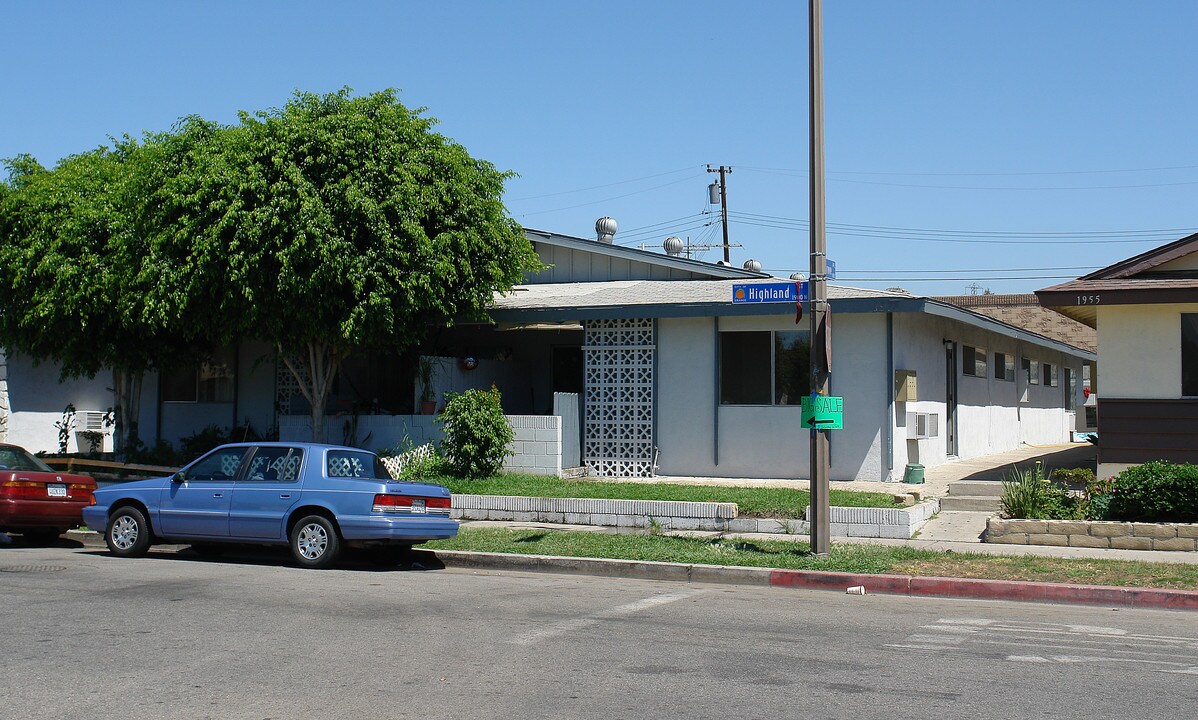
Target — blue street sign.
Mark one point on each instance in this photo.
(831, 269)
(778, 292)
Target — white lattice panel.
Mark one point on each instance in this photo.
(618, 416)
(286, 386)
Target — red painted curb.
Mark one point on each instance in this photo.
(988, 589)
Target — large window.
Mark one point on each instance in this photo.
(207, 381)
(1189, 354)
(973, 361)
(764, 368)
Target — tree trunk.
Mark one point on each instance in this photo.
(126, 391)
(320, 368)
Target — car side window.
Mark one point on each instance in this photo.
(345, 463)
(275, 464)
(220, 464)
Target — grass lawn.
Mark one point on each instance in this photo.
(844, 557)
(753, 502)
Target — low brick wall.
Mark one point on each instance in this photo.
(670, 515)
(1094, 534)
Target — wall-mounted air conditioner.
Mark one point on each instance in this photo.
(922, 425)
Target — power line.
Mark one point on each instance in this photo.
(1169, 232)
(608, 199)
(796, 171)
(598, 187)
(919, 238)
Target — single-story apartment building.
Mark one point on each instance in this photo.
(637, 363)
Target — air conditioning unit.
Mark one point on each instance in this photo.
(921, 426)
(90, 433)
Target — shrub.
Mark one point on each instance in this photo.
(477, 434)
(1033, 495)
(1074, 476)
(1155, 492)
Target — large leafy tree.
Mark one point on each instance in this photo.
(328, 226)
(75, 290)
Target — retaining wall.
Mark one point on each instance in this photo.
(669, 515)
(1094, 534)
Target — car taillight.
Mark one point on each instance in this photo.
(409, 504)
(28, 490)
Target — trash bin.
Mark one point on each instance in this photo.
(913, 474)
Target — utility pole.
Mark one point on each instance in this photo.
(723, 207)
(820, 362)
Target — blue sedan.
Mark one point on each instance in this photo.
(315, 498)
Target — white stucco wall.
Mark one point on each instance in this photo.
(1141, 350)
(767, 441)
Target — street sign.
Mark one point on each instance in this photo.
(831, 269)
(779, 292)
(823, 412)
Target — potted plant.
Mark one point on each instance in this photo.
(426, 371)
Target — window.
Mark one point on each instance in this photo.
(346, 463)
(1049, 372)
(1189, 354)
(764, 368)
(1070, 389)
(208, 381)
(973, 361)
(1031, 371)
(1004, 367)
(275, 464)
(217, 465)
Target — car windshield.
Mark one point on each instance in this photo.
(14, 458)
(347, 463)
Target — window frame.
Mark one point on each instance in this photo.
(771, 399)
(1048, 374)
(1006, 371)
(973, 351)
(1031, 370)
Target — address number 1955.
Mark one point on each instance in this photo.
(1089, 299)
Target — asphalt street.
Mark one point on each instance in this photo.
(86, 635)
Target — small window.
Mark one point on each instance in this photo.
(1070, 389)
(1189, 354)
(764, 368)
(209, 381)
(1031, 371)
(1004, 367)
(1049, 372)
(973, 361)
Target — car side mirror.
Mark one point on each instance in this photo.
(178, 477)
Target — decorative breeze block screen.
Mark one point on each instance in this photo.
(618, 407)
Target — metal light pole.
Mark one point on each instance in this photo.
(820, 511)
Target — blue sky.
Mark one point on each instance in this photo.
(1008, 145)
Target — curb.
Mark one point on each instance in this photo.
(1020, 590)
(819, 580)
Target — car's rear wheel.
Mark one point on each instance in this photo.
(314, 542)
(41, 537)
(128, 533)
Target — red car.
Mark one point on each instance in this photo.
(37, 501)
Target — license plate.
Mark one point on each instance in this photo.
(56, 490)
(418, 505)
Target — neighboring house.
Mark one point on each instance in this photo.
(633, 363)
(1145, 310)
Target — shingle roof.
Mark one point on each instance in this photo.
(1024, 311)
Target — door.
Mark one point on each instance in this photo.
(950, 397)
(198, 506)
(265, 493)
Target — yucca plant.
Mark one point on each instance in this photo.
(1023, 492)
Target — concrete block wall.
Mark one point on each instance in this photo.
(1094, 534)
(537, 446)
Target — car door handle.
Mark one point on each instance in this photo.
(285, 495)
(218, 494)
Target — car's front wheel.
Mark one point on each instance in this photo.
(314, 542)
(128, 533)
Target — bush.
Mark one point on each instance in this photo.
(1074, 476)
(1155, 492)
(477, 434)
(1032, 495)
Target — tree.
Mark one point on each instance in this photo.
(332, 225)
(78, 293)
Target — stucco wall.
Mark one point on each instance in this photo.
(1141, 350)
(766, 441)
